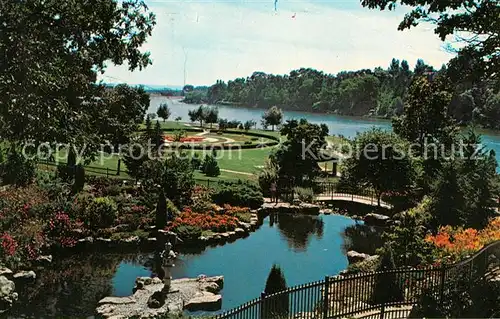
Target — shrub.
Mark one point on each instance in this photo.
(188, 232)
(17, 170)
(243, 194)
(210, 166)
(304, 194)
(59, 230)
(101, 213)
(276, 307)
(196, 161)
(387, 288)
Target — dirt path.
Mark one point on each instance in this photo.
(236, 172)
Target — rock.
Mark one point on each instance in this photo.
(5, 271)
(239, 231)
(204, 301)
(8, 294)
(152, 240)
(104, 240)
(309, 209)
(105, 310)
(132, 240)
(156, 281)
(45, 259)
(225, 235)
(89, 240)
(210, 287)
(326, 211)
(117, 301)
(145, 280)
(219, 280)
(373, 219)
(354, 256)
(25, 275)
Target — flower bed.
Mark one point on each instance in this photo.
(187, 139)
(452, 244)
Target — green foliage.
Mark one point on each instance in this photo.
(380, 163)
(249, 124)
(273, 117)
(212, 115)
(275, 306)
(79, 178)
(196, 161)
(387, 288)
(59, 100)
(134, 158)
(163, 111)
(460, 298)
(188, 232)
(17, 170)
(161, 212)
(158, 135)
(210, 166)
(478, 20)
(297, 157)
(407, 236)
(124, 111)
(243, 194)
(304, 194)
(425, 118)
(100, 213)
(200, 114)
(174, 176)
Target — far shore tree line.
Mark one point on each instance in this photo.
(379, 92)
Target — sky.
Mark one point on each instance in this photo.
(199, 42)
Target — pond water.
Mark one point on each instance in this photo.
(337, 125)
(307, 249)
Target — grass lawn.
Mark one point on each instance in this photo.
(246, 160)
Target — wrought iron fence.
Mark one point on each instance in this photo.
(365, 295)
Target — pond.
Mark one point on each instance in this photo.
(337, 125)
(307, 248)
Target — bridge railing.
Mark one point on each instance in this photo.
(365, 295)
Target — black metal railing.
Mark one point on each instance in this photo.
(365, 295)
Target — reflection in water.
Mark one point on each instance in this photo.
(298, 229)
(71, 287)
(362, 238)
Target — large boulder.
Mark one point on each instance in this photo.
(204, 301)
(355, 257)
(8, 294)
(373, 219)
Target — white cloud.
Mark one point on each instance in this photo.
(223, 40)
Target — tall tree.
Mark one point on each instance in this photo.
(275, 307)
(163, 111)
(297, 158)
(212, 115)
(425, 116)
(123, 110)
(47, 81)
(273, 117)
(474, 23)
(380, 162)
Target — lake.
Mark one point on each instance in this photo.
(337, 125)
(307, 248)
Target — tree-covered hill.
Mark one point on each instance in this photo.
(379, 92)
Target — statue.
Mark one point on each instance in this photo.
(164, 261)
